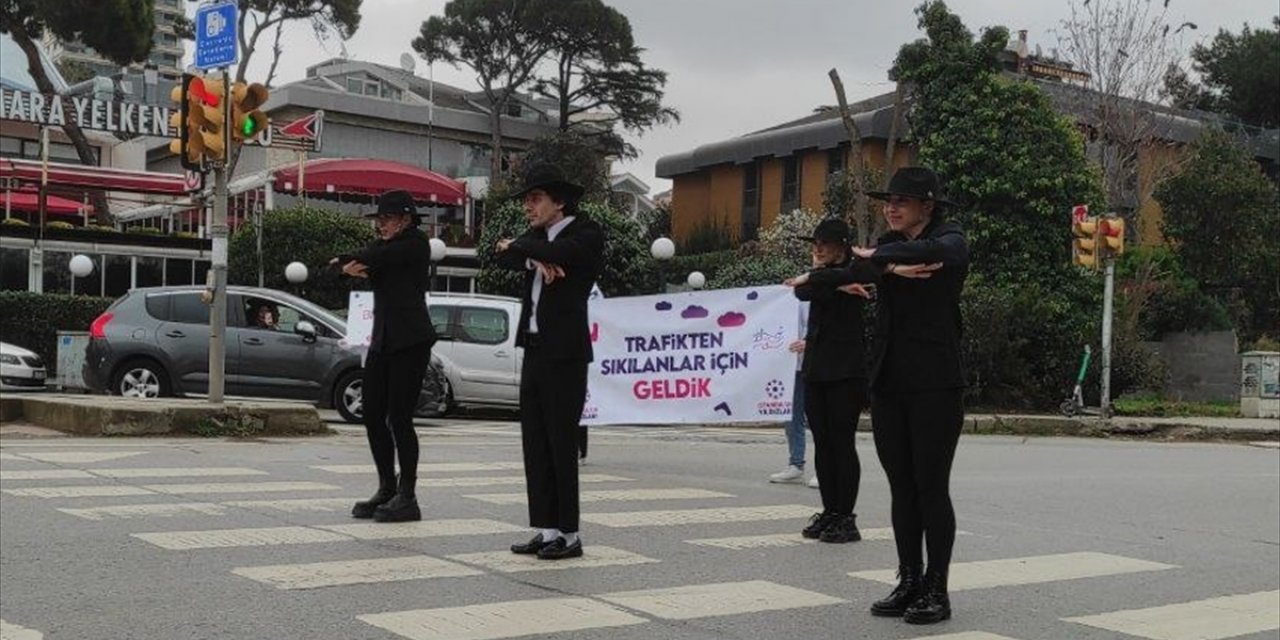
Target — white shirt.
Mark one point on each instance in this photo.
(552, 231)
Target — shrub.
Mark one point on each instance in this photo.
(32, 320)
(60, 225)
(15, 222)
(710, 264)
(708, 236)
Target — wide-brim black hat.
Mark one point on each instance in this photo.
(396, 201)
(830, 230)
(551, 179)
(914, 182)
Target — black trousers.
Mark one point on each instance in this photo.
(916, 435)
(552, 393)
(392, 384)
(832, 410)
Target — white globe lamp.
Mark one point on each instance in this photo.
(81, 265)
(696, 280)
(296, 272)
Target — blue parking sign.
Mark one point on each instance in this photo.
(216, 38)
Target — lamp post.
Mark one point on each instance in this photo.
(662, 250)
(438, 251)
(81, 266)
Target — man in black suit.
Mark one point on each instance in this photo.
(397, 266)
(918, 385)
(561, 255)
(835, 375)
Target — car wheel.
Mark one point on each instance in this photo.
(141, 378)
(348, 397)
(436, 399)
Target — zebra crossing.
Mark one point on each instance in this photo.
(620, 519)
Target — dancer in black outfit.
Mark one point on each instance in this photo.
(397, 268)
(918, 385)
(835, 376)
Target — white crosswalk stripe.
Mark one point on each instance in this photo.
(484, 481)
(80, 457)
(1211, 619)
(611, 495)
(503, 619)
(238, 487)
(423, 529)
(177, 472)
(44, 474)
(706, 600)
(698, 516)
(348, 572)
(11, 631)
(507, 562)
(147, 510)
(425, 467)
(300, 505)
(1031, 570)
(966, 635)
(93, 491)
(221, 538)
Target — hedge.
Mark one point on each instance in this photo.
(33, 320)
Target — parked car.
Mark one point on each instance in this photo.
(20, 369)
(154, 342)
(477, 350)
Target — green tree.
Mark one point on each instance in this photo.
(119, 30)
(257, 17)
(1220, 215)
(628, 267)
(74, 71)
(580, 158)
(1237, 76)
(596, 69)
(303, 234)
(502, 41)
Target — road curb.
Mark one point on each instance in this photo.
(112, 416)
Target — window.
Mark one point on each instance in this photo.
(15, 269)
(150, 271)
(177, 271)
(158, 306)
(189, 309)
(835, 160)
(790, 183)
(482, 326)
(440, 319)
(56, 274)
(355, 85)
(513, 109)
(750, 201)
(119, 274)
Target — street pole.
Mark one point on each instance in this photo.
(1107, 307)
(218, 231)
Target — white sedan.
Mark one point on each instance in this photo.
(20, 369)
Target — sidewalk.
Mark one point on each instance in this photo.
(94, 415)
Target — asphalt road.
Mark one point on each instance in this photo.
(1062, 539)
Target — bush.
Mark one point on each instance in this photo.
(628, 268)
(752, 268)
(708, 236)
(60, 225)
(32, 320)
(710, 264)
(15, 222)
(304, 234)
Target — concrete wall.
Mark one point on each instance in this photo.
(1202, 367)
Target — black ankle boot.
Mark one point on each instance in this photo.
(403, 507)
(365, 509)
(933, 605)
(907, 592)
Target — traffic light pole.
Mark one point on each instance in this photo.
(1108, 293)
(218, 232)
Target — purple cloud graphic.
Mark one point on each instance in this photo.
(662, 306)
(732, 319)
(694, 311)
(753, 296)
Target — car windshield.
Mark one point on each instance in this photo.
(314, 310)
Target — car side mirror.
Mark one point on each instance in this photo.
(305, 329)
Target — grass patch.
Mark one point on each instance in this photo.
(239, 425)
(1155, 406)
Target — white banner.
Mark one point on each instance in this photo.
(699, 357)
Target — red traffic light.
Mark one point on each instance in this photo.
(198, 90)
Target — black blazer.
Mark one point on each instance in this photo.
(918, 323)
(835, 340)
(563, 333)
(399, 270)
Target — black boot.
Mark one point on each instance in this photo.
(933, 605)
(844, 529)
(817, 524)
(403, 507)
(907, 592)
(386, 491)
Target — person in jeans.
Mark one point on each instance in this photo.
(795, 429)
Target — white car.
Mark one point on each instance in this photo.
(20, 369)
(477, 348)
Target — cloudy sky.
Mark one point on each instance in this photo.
(736, 66)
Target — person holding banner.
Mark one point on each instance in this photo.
(397, 266)
(835, 375)
(918, 384)
(561, 256)
(795, 428)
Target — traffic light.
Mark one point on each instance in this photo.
(198, 121)
(248, 121)
(1084, 249)
(191, 157)
(1112, 231)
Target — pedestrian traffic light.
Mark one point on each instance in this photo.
(1112, 231)
(1084, 248)
(248, 121)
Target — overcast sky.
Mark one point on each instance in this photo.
(736, 66)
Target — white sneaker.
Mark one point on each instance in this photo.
(791, 474)
(813, 482)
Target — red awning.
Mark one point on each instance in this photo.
(89, 177)
(27, 200)
(366, 179)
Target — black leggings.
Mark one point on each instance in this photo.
(392, 383)
(916, 435)
(832, 410)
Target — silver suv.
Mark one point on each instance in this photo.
(477, 349)
(155, 342)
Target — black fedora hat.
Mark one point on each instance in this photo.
(396, 201)
(914, 182)
(549, 178)
(830, 230)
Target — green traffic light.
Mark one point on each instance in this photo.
(248, 127)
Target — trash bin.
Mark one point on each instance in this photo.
(1260, 384)
(71, 348)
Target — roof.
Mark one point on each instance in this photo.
(330, 178)
(16, 74)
